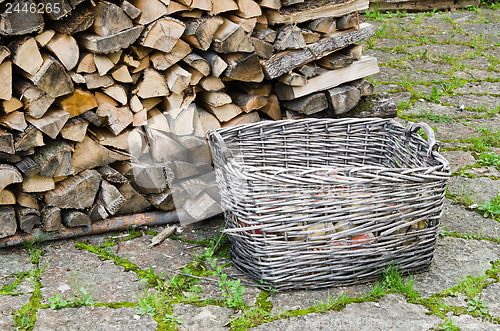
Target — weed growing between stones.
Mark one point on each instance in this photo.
(491, 208)
(447, 326)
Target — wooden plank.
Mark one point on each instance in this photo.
(359, 69)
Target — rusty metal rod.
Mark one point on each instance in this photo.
(119, 223)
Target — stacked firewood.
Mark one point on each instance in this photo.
(104, 104)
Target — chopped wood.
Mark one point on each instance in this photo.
(78, 103)
(177, 78)
(8, 106)
(27, 218)
(231, 38)
(75, 129)
(118, 118)
(362, 68)
(94, 81)
(7, 197)
(129, 9)
(153, 84)
(291, 2)
(262, 48)
(110, 198)
(343, 98)
(243, 67)
(183, 124)
(51, 123)
(252, 117)
(365, 87)
(217, 64)
(151, 10)
(212, 83)
(196, 76)
(121, 74)
(76, 21)
(27, 200)
(111, 175)
(158, 121)
(76, 192)
(17, 23)
(54, 159)
(174, 7)
(6, 142)
(4, 53)
(52, 78)
(154, 35)
(144, 64)
(354, 51)
(164, 147)
(200, 32)
(289, 37)
(135, 202)
(309, 104)
(221, 6)
(335, 61)
(162, 201)
(178, 102)
(88, 155)
(14, 121)
(26, 55)
(117, 92)
(9, 175)
(376, 105)
(248, 8)
(36, 184)
(163, 61)
(8, 223)
(140, 118)
(27, 139)
(349, 21)
(36, 102)
(109, 19)
(271, 4)
(97, 212)
(146, 178)
(202, 207)
(6, 79)
(109, 44)
(300, 15)
(224, 113)
(65, 48)
(216, 99)
(268, 35)
(310, 70)
(310, 36)
(261, 23)
(51, 219)
(76, 78)
(248, 102)
(326, 25)
(197, 62)
(28, 167)
(64, 8)
(283, 62)
(86, 63)
(248, 24)
(272, 108)
(103, 64)
(164, 234)
(293, 79)
(263, 88)
(43, 38)
(74, 218)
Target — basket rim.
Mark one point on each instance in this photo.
(438, 171)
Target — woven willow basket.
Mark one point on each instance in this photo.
(328, 202)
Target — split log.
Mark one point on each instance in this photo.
(7, 197)
(51, 219)
(310, 36)
(224, 113)
(146, 178)
(208, 121)
(248, 102)
(335, 61)
(215, 99)
(29, 138)
(177, 79)
(8, 106)
(110, 198)
(78, 103)
(212, 83)
(199, 33)
(152, 85)
(86, 63)
(354, 51)
(135, 202)
(6, 142)
(25, 55)
(248, 24)
(289, 37)
(28, 167)
(62, 10)
(109, 19)
(243, 67)
(262, 88)
(4, 53)
(117, 118)
(6, 78)
(76, 192)
(73, 218)
(88, 155)
(272, 108)
(196, 76)
(315, 10)
(109, 44)
(8, 223)
(117, 92)
(14, 121)
(129, 9)
(52, 78)
(162, 201)
(283, 62)
(252, 117)
(27, 218)
(103, 64)
(309, 104)
(220, 6)
(27, 200)
(262, 48)
(351, 20)
(293, 79)
(268, 35)
(183, 124)
(163, 61)
(36, 184)
(362, 68)
(202, 207)
(248, 8)
(65, 48)
(151, 10)
(217, 64)
(326, 25)
(122, 75)
(231, 38)
(343, 98)
(51, 123)
(35, 101)
(310, 70)
(9, 175)
(271, 4)
(164, 147)
(77, 21)
(54, 159)
(197, 62)
(17, 23)
(378, 105)
(95, 81)
(154, 35)
(75, 129)
(365, 87)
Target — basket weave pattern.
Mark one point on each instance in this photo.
(323, 202)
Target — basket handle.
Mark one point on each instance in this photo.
(431, 138)
(225, 153)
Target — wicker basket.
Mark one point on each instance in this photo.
(325, 202)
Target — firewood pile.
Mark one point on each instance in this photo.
(104, 104)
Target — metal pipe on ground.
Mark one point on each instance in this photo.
(120, 223)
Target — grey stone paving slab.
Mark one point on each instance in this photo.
(386, 87)
(458, 51)
(490, 123)
(389, 43)
(454, 259)
(391, 313)
(399, 97)
(484, 171)
(93, 319)
(450, 37)
(458, 219)
(491, 295)
(491, 29)
(473, 101)
(302, 299)
(211, 318)
(9, 304)
(480, 62)
(479, 189)
(12, 261)
(395, 75)
(384, 56)
(480, 87)
(481, 74)
(469, 323)
(458, 159)
(451, 131)
(66, 266)
(424, 108)
(426, 65)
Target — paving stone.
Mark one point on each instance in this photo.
(379, 88)
(480, 62)
(389, 43)
(473, 101)
(463, 16)
(491, 295)
(457, 51)
(459, 219)
(479, 189)
(12, 261)
(454, 259)
(67, 269)
(391, 313)
(426, 65)
(492, 29)
(384, 56)
(9, 304)
(469, 323)
(424, 108)
(211, 318)
(484, 171)
(480, 88)
(458, 159)
(450, 37)
(399, 97)
(481, 74)
(394, 75)
(451, 131)
(93, 318)
(302, 299)
(490, 123)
